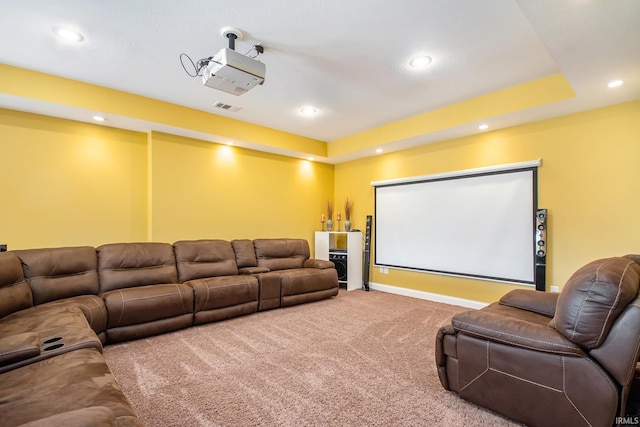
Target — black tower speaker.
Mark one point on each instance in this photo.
(367, 254)
(339, 258)
(541, 249)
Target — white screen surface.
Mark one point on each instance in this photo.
(473, 225)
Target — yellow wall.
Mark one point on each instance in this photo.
(204, 190)
(589, 180)
(66, 183)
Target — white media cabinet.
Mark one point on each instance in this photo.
(343, 242)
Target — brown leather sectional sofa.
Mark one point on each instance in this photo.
(59, 306)
(548, 359)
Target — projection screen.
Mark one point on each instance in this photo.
(476, 223)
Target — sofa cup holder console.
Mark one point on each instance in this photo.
(52, 344)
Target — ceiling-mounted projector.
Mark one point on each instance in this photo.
(229, 71)
(232, 72)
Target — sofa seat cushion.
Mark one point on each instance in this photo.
(217, 298)
(45, 315)
(48, 333)
(514, 332)
(72, 381)
(44, 319)
(300, 285)
(92, 307)
(147, 310)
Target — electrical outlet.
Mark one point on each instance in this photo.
(554, 289)
(3, 247)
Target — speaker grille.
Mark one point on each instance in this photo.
(340, 261)
(541, 235)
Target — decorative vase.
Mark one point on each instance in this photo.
(329, 224)
(347, 225)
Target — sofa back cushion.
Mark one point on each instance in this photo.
(281, 254)
(197, 259)
(245, 253)
(59, 273)
(15, 294)
(593, 298)
(127, 265)
(633, 257)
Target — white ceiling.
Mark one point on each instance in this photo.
(348, 58)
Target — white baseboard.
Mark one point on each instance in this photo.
(445, 299)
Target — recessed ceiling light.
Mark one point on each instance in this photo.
(615, 83)
(420, 61)
(379, 150)
(68, 34)
(229, 143)
(483, 126)
(308, 110)
(99, 118)
(311, 159)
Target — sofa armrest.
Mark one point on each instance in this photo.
(318, 263)
(253, 270)
(538, 302)
(515, 332)
(446, 338)
(15, 348)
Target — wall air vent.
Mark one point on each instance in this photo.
(226, 107)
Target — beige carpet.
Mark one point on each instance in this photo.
(359, 359)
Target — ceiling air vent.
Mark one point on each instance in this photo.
(225, 107)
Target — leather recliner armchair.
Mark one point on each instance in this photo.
(550, 359)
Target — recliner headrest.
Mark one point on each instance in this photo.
(593, 298)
